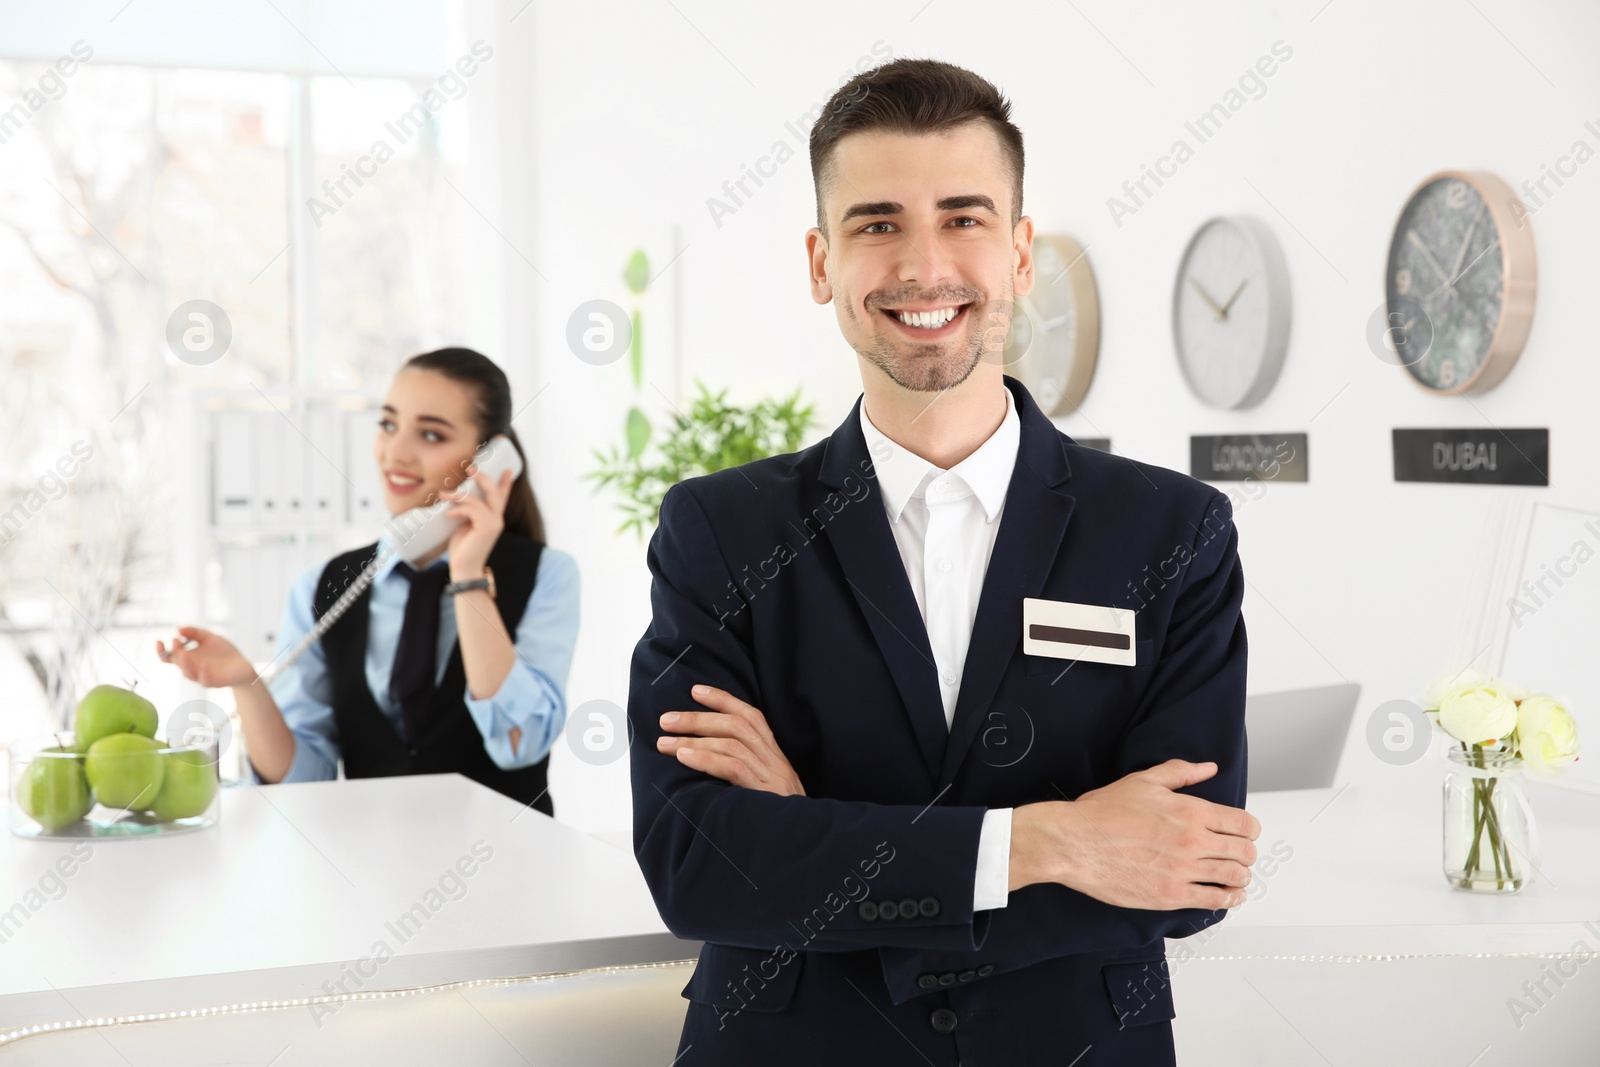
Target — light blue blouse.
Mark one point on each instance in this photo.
(532, 697)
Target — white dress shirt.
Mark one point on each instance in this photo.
(944, 524)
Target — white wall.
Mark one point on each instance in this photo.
(644, 110)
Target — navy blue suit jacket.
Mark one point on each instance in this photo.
(838, 926)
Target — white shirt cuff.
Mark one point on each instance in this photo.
(991, 889)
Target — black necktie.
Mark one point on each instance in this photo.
(411, 683)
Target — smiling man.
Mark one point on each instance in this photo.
(940, 721)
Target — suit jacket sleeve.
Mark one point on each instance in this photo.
(744, 867)
(1193, 709)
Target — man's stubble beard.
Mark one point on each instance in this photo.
(922, 374)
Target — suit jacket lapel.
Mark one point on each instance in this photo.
(866, 549)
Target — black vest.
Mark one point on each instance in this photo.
(450, 740)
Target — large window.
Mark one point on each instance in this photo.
(380, 218)
(137, 189)
(319, 213)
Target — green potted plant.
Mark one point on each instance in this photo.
(711, 436)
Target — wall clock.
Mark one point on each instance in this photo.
(1460, 282)
(1055, 330)
(1231, 311)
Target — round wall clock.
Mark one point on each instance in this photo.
(1055, 330)
(1460, 282)
(1231, 311)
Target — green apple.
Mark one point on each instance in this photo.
(125, 770)
(187, 787)
(52, 790)
(111, 709)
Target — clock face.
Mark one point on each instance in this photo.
(1055, 329)
(1445, 286)
(1230, 312)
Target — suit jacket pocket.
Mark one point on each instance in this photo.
(1143, 651)
(733, 979)
(1140, 992)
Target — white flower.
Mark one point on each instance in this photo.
(1547, 734)
(1446, 684)
(1478, 712)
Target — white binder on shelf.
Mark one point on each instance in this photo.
(233, 470)
(280, 469)
(289, 486)
(325, 502)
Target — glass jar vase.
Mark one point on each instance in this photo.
(1491, 843)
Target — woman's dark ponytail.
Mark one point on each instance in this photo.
(492, 409)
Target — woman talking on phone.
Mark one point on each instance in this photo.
(421, 674)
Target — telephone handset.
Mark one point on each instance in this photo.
(420, 531)
(412, 535)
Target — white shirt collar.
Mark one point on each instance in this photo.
(902, 474)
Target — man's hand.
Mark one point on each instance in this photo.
(731, 742)
(1137, 844)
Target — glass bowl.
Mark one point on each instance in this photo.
(124, 789)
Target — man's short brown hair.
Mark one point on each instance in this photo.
(913, 96)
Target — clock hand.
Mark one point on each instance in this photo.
(1216, 311)
(1234, 297)
(1411, 235)
(1461, 253)
(1492, 246)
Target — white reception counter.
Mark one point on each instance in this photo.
(321, 889)
(1353, 948)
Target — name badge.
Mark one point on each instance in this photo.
(1088, 632)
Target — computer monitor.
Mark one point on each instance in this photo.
(1296, 736)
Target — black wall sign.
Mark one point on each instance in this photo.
(1237, 457)
(1482, 456)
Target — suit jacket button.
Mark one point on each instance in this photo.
(927, 981)
(986, 970)
(947, 978)
(888, 910)
(867, 910)
(966, 976)
(929, 906)
(909, 909)
(412, 751)
(943, 1020)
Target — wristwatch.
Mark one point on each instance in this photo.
(486, 582)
